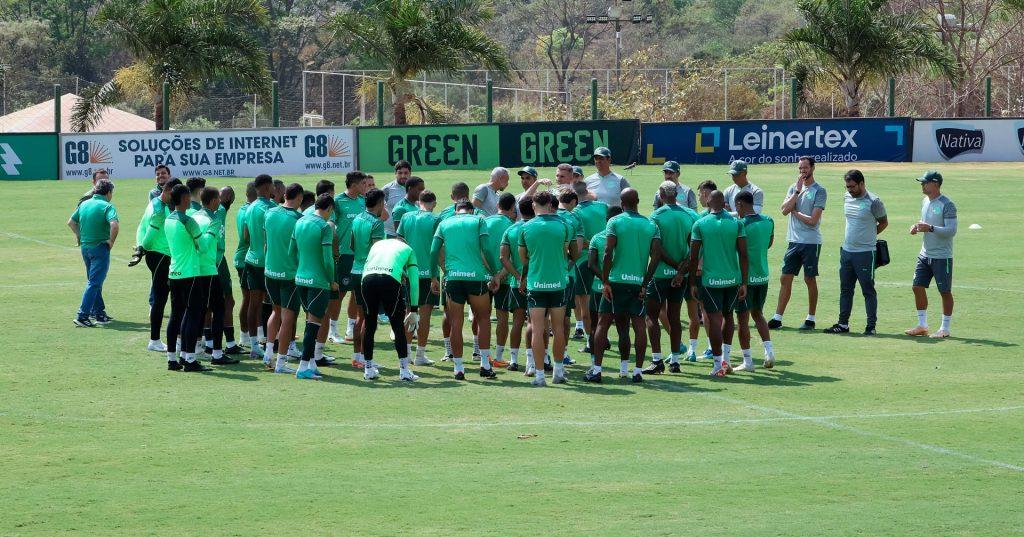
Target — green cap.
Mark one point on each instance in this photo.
(737, 167)
(930, 176)
(671, 166)
(603, 152)
(528, 170)
(576, 170)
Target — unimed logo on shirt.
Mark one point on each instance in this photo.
(462, 274)
(730, 281)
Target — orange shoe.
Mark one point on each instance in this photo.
(917, 331)
(499, 363)
(727, 367)
(358, 364)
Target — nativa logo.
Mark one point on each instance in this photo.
(710, 138)
(954, 141)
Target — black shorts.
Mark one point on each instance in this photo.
(427, 297)
(356, 283)
(939, 269)
(243, 280)
(625, 299)
(382, 294)
(717, 299)
(801, 255)
(224, 273)
(595, 301)
(343, 272)
(459, 291)
(283, 293)
(582, 280)
(545, 299)
(661, 290)
(755, 299)
(254, 277)
(501, 297)
(314, 300)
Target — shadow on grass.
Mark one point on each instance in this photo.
(778, 376)
(127, 326)
(931, 341)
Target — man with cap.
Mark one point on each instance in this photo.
(485, 196)
(938, 227)
(738, 171)
(577, 174)
(606, 185)
(686, 196)
(528, 178)
(865, 219)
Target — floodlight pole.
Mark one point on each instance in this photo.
(614, 15)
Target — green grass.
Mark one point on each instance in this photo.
(848, 435)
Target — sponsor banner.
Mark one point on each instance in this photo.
(429, 147)
(778, 141)
(551, 143)
(969, 140)
(28, 156)
(231, 153)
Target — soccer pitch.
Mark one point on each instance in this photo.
(882, 435)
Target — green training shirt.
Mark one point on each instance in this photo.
(418, 228)
(717, 233)
(345, 211)
(366, 228)
(674, 224)
(210, 233)
(183, 240)
(404, 207)
(254, 216)
(512, 238)
(491, 244)
(153, 237)
(633, 234)
(94, 217)
(394, 258)
(279, 224)
(759, 230)
(461, 236)
(312, 246)
(546, 238)
(593, 217)
(597, 244)
(243, 245)
(449, 212)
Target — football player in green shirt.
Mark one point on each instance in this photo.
(417, 230)
(595, 255)
(239, 262)
(312, 246)
(513, 266)
(413, 187)
(195, 187)
(674, 223)
(227, 199)
(347, 206)
(593, 217)
(158, 260)
(496, 226)
(457, 248)
(632, 252)
(188, 305)
(575, 298)
(211, 229)
(255, 237)
(367, 228)
(279, 270)
(720, 242)
(390, 264)
(547, 249)
(163, 174)
(760, 230)
(460, 192)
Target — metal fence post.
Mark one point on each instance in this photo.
(56, 108)
(593, 98)
(380, 103)
(275, 106)
(490, 100)
(988, 96)
(165, 107)
(892, 97)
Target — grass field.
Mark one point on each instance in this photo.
(855, 435)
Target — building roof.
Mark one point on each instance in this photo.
(39, 118)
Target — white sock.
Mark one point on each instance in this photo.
(421, 352)
(244, 340)
(259, 333)
(208, 343)
(268, 347)
(217, 353)
(172, 356)
(476, 345)
(540, 373)
(693, 345)
(334, 326)
(624, 366)
(579, 325)
(673, 358)
(547, 358)
(190, 357)
(656, 356)
(403, 363)
(499, 352)
(281, 362)
(368, 366)
(458, 364)
(559, 370)
(318, 351)
(351, 324)
(768, 348)
(513, 356)
(637, 370)
(303, 365)
(485, 359)
(595, 368)
(922, 318)
(726, 350)
(529, 356)
(810, 317)
(718, 362)
(447, 345)
(777, 317)
(946, 319)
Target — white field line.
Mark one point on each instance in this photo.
(53, 244)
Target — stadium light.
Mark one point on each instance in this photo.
(616, 14)
(591, 19)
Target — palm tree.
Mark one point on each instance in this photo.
(186, 43)
(415, 36)
(856, 42)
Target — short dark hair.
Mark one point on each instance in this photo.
(323, 201)
(526, 207)
(293, 191)
(97, 171)
(373, 197)
(428, 196)
(567, 197)
(278, 183)
(262, 179)
(614, 211)
(324, 186)
(745, 197)
(413, 182)
(808, 158)
(403, 164)
(172, 182)
(464, 206)
(250, 191)
(707, 185)
(208, 194)
(506, 201)
(103, 187)
(353, 177)
(195, 183)
(545, 199)
(178, 193)
(854, 175)
(162, 166)
(460, 190)
(308, 198)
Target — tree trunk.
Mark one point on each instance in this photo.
(399, 100)
(851, 98)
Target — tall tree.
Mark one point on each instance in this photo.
(409, 37)
(855, 42)
(186, 43)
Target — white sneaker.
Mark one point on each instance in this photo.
(559, 379)
(407, 375)
(348, 334)
(284, 370)
(156, 345)
(530, 371)
(293, 351)
(371, 373)
(769, 361)
(423, 360)
(334, 337)
(539, 382)
(745, 366)
(392, 335)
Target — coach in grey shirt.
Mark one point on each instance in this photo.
(865, 219)
(804, 205)
(394, 192)
(485, 196)
(738, 171)
(685, 196)
(606, 185)
(935, 261)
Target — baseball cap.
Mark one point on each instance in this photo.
(528, 170)
(930, 176)
(738, 166)
(576, 170)
(603, 152)
(671, 166)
